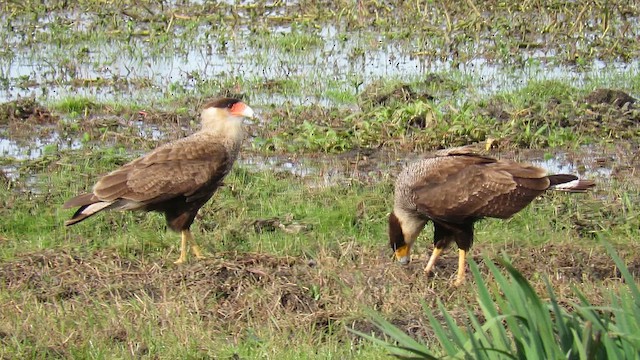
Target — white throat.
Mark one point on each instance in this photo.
(410, 224)
(218, 122)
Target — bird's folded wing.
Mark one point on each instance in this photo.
(166, 172)
(481, 189)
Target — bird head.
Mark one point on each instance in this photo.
(240, 109)
(220, 114)
(397, 240)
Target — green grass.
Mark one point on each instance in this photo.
(252, 196)
(118, 265)
(517, 323)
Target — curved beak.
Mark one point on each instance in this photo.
(248, 113)
(402, 255)
(242, 109)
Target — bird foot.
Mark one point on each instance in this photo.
(429, 269)
(459, 281)
(197, 252)
(180, 260)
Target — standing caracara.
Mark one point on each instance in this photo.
(456, 188)
(177, 178)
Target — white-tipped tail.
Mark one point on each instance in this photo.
(94, 208)
(578, 185)
(88, 210)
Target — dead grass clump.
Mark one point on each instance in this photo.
(316, 114)
(381, 93)
(237, 292)
(25, 110)
(160, 117)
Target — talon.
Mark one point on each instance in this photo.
(432, 260)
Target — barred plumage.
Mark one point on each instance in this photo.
(457, 187)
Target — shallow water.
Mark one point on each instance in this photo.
(36, 147)
(323, 169)
(142, 70)
(587, 166)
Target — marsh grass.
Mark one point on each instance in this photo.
(89, 41)
(540, 115)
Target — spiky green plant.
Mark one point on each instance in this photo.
(520, 325)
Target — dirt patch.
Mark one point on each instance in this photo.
(610, 112)
(497, 110)
(566, 263)
(317, 294)
(613, 97)
(27, 119)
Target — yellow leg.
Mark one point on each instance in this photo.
(432, 260)
(489, 143)
(462, 262)
(187, 239)
(194, 246)
(183, 247)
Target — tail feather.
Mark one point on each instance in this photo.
(88, 204)
(81, 200)
(570, 183)
(86, 211)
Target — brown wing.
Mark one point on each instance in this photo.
(463, 187)
(179, 168)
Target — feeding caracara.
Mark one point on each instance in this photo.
(456, 188)
(177, 178)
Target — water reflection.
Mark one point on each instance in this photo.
(36, 147)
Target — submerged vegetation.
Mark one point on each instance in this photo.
(154, 52)
(347, 92)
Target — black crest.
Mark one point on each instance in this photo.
(221, 103)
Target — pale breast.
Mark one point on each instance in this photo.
(412, 174)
